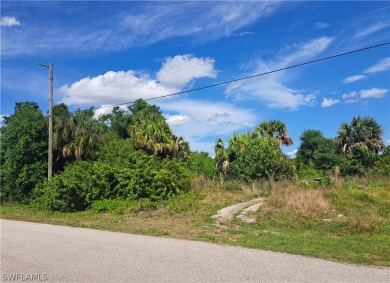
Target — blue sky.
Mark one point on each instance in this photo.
(115, 52)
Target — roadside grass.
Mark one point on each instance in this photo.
(348, 221)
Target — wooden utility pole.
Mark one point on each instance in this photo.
(50, 148)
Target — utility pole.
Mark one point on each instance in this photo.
(50, 149)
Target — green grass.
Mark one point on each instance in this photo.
(347, 222)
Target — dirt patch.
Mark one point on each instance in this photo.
(226, 214)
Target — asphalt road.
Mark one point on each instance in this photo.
(65, 254)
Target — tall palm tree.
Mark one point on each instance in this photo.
(362, 132)
(151, 133)
(181, 148)
(87, 136)
(275, 129)
(221, 156)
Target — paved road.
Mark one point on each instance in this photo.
(64, 254)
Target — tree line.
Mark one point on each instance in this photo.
(133, 154)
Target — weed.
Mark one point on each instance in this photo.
(296, 207)
(356, 210)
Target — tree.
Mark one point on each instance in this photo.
(119, 121)
(360, 142)
(221, 156)
(202, 164)
(326, 156)
(24, 152)
(87, 136)
(152, 134)
(62, 135)
(251, 156)
(182, 148)
(275, 129)
(310, 141)
(362, 132)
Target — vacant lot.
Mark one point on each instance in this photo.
(347, 221)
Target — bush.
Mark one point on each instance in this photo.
(141, 176)
(358, 162)
(382, 166)
(261, 158)
(202, 164)
(74, 189)
(309, 173)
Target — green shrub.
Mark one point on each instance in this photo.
(309, 173)
(82, 182)
(358, 162)
(382, 166)
(202, 164)
(258, 158)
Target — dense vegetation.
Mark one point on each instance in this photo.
(127, 171)
(133, 154)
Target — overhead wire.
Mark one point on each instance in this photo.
(262, 44)
(230, 81)
(253, 76)
(174, 11)
(130, 83)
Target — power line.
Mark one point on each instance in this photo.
(174, 11)
(256, 75)
(262, 44)
(130, 83)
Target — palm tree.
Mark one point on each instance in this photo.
(275, 129)
(181, 148)
(221, 156)
(362, 132)
(152, 134)
(87, 136)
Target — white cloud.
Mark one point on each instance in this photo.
(9, 22)
(178, 71)
(106, 109)
(382, 65)
(388, 142)
(349, 101)
(292, 154)
(271, 88)
(349, 95)
(121, 87)
(112, 88)
(195, 120)
(207, 119)
(353, 79)
(320, 25)
(243, 33)
(177, 120)
(138, 25)
(328, 102)
(373, 93)
(372, 29)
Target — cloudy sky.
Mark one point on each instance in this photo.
(107, 53)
